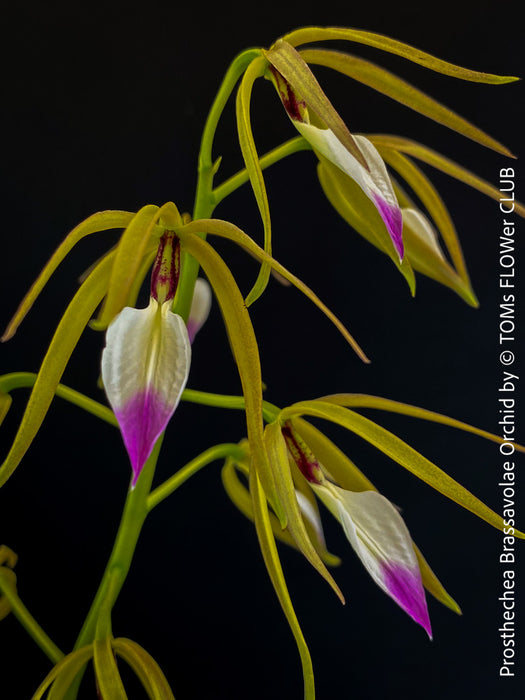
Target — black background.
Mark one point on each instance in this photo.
(103, 108)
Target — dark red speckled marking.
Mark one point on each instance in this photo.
(303, 457)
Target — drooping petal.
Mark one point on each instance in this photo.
(200, 307)
(145, 367)
(382, 541)
(375, 182)
(67, 334)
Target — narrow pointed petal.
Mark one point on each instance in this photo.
(249, 153)
(436, 160)
(390, 85)
(375, 182)
(400, 452)
(227, 230)
(148, 671)
(382, 541)
(200, 307)
(307, 35)
(66, 336)
(102, 221)
(349, 200)
(145, 367)
(244, 347)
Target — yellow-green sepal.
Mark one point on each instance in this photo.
(351, 203)
(244, 346)
(307, 35)
(146, 668)
(440, 162)
(106, 671)
(101, 221)
(5, 404)
(433, 203)
(255, 70)
(397, 89)
(433, 584)
(293, 68)
(350, 477)
(66, 336)
(274, 568)
(400, 452)
(65, 671)
(129, 255)
(278, 458)
(227, 230)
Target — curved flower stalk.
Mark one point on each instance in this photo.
(353, 169)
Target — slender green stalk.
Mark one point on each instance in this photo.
(202, 460)
(23, 380)
(274, 156)
(205, 398)
(27, 620)
(204, 200)
(98, 619)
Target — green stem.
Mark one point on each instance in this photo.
(135, 512)
(23, 380)
(204, 200)
(27, 620)
(202, 460)
(205, 398)
(98, 620)
(274, 156)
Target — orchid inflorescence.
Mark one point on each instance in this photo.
(285, 466)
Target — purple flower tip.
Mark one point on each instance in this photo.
(391, 215)
(406, 588)
(141, 421)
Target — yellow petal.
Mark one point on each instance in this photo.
(70, 666)
(436, 160)
(102, 221)
(240, 497)
(368, 401)
(435, 206)
(350, 477)
(400, 452)
(350, 202)
(308, 35)
(244, 346)
(294, 69)
(249, 153)
(106, 671)
(390, 85)
(273, 566)
(230, 231)
(434, 585)
(66, 336)
(146, 668)
(278, 458)
(425, 255)
(128, 259)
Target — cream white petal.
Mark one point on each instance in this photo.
(375, 182)
(200, 307)
(381, 540)
(145, 367)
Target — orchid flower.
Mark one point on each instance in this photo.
(146, 361)
(375, 530)
(353, 167)
(354, 155)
